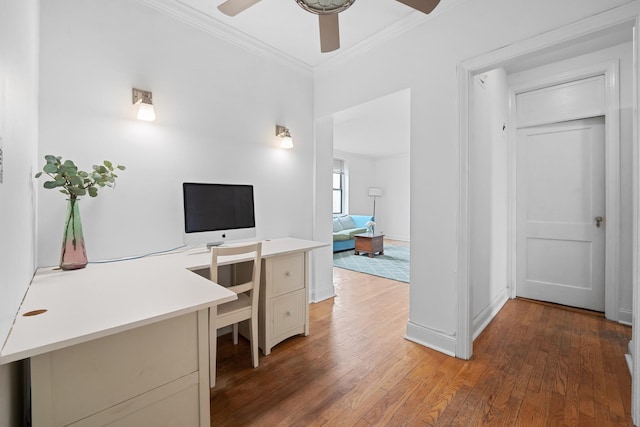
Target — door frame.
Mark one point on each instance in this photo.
(466, 70)
(611, 112)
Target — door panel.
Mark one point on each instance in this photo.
(560, 191)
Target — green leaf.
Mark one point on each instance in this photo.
(50, 168)
(76, 180)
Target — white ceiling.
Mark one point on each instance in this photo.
(284, 28)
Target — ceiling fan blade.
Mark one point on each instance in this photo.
(425, 6)
(234, 7)
(329, 33)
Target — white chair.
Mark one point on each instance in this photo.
(245, 307)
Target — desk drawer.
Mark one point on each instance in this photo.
(75, 382)
(287, 273)
(288, 313)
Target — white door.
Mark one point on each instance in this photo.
(561, 213)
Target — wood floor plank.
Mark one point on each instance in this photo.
(533, 365)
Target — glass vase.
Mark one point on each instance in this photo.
(73, 255)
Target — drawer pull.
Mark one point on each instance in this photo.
(288, 312)
(288, 274)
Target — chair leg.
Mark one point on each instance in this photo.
(254, 340)
(235, 334)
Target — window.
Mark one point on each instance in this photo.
(338, 187)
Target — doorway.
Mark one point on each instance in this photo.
(591, 34)
(562, 43)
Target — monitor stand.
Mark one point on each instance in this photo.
(212, 244)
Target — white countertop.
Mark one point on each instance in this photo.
(104, 299)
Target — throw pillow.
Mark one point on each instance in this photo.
(336, 225)
(347, 222)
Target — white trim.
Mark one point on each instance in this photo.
(611, 72)
(612, 192)
(395, 30)
(224, 32)
(464, 341)
(485, 317)
(625, 317)
(635, 353)
(204, 22)
(431, 338)
(326, 292)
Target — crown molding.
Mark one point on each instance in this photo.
(405, 25)
(206, 23)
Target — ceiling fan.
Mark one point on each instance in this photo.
(327, 11)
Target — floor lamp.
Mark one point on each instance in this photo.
(374, 192)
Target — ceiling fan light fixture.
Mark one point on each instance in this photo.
(325, 7)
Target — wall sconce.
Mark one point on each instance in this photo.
(285, 137)
(142, 99)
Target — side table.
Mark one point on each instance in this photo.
(369, 244)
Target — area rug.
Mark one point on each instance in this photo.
(394, 264)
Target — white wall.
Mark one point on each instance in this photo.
(360, 174)
(424, 60)
(488, 180)
(392, 208)
(18, 131)
(216, 105)
(623, 54)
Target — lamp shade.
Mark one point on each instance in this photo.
(146, 112)
(375, 191)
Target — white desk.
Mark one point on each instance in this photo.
(123, 343)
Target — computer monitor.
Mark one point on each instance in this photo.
(215, 213)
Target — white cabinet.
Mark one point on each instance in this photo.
(153, 375)
(284, 300)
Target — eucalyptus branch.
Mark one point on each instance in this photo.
(73, 182)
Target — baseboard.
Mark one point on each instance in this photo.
(488, 313)
(432, 339)
(322, 294)
(625, 316)
(399, 238)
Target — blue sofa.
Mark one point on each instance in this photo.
(344, 227)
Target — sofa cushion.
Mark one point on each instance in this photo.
(355, 231)
(347, 222)
(337, 226)
(342, 235)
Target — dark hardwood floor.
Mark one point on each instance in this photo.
(534, 365)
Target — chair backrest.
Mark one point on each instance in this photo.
(238, 255)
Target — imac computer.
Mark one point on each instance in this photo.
(215, 213)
